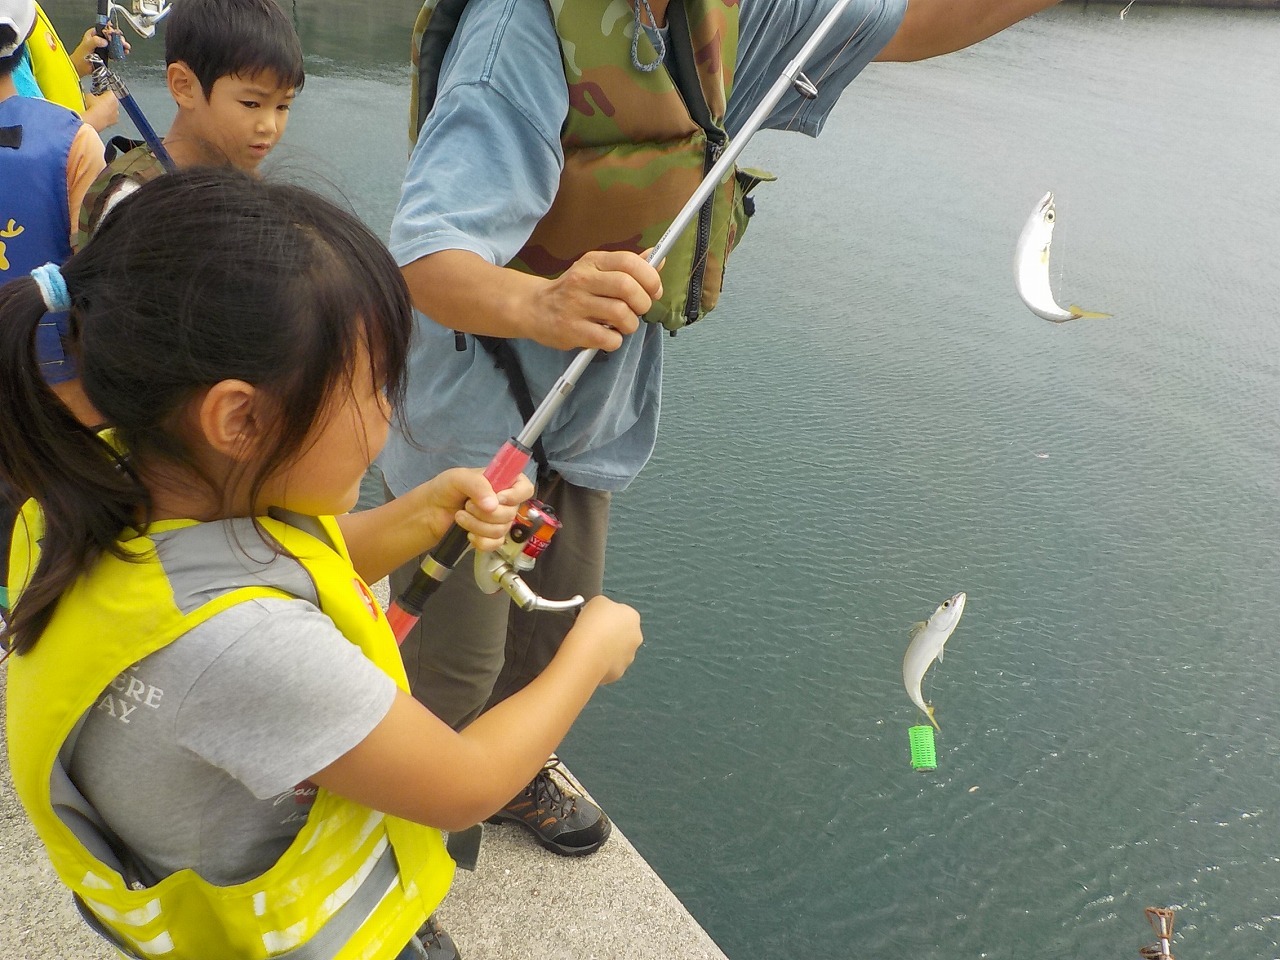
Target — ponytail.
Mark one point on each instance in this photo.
(86, 491)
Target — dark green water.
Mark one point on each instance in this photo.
(873, 421)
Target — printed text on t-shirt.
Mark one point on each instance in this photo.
(130, 693)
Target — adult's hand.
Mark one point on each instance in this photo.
(88, 45)
(593, 304)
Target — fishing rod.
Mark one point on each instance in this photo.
(148, 14)
(509, 462)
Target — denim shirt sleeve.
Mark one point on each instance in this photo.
(771, 33)
(487, 163)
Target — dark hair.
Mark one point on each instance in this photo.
(201, 276)
(222, 38)
(10, 63)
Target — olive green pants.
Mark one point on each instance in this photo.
(471, 650)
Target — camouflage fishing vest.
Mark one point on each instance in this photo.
(139, 166)
(636, 144)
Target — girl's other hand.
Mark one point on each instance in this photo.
(609, 631)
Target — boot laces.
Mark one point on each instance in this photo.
(547, 794)
(430, 933)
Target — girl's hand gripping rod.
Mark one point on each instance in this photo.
(511, 460)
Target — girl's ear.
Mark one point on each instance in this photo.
(184, 85)
(230, 418)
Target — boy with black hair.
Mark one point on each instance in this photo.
(233, 68)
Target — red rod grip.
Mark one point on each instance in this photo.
(401, 621)
(507, 464)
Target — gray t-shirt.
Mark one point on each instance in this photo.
(198, 755)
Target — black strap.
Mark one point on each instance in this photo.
(118, 146)
(505, 359)
(464, 846)
(435, 42)
(11, 137)
(683, 69)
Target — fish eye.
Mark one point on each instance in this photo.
(945, 604)
(1048, 215)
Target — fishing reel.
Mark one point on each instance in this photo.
(143, 17)
(530, 534)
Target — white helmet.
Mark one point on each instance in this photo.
(19, 14)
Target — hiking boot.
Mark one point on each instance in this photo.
(560, 820)
(435, 943)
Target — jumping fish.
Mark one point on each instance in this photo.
(1031, 267)
(927, 640)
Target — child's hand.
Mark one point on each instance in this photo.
(90, 44)
(609, 631)
(465, 497)
(101, 110)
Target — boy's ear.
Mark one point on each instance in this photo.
(184, 85)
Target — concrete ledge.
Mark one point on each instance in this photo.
(525, 902)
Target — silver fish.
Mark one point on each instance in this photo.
(1031, 267)
(927, 640)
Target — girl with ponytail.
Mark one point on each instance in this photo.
(208, 720)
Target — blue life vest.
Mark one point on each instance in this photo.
(35, 222)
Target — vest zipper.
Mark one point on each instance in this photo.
(693, 300)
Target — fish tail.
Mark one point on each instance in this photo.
(929, 714)
(1079, 313)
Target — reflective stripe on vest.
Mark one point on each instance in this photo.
(636, 145)
(353, 884)
(35, 222)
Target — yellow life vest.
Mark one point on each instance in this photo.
(52, 66)
(355, 883)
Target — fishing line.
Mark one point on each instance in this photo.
(831, 66)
